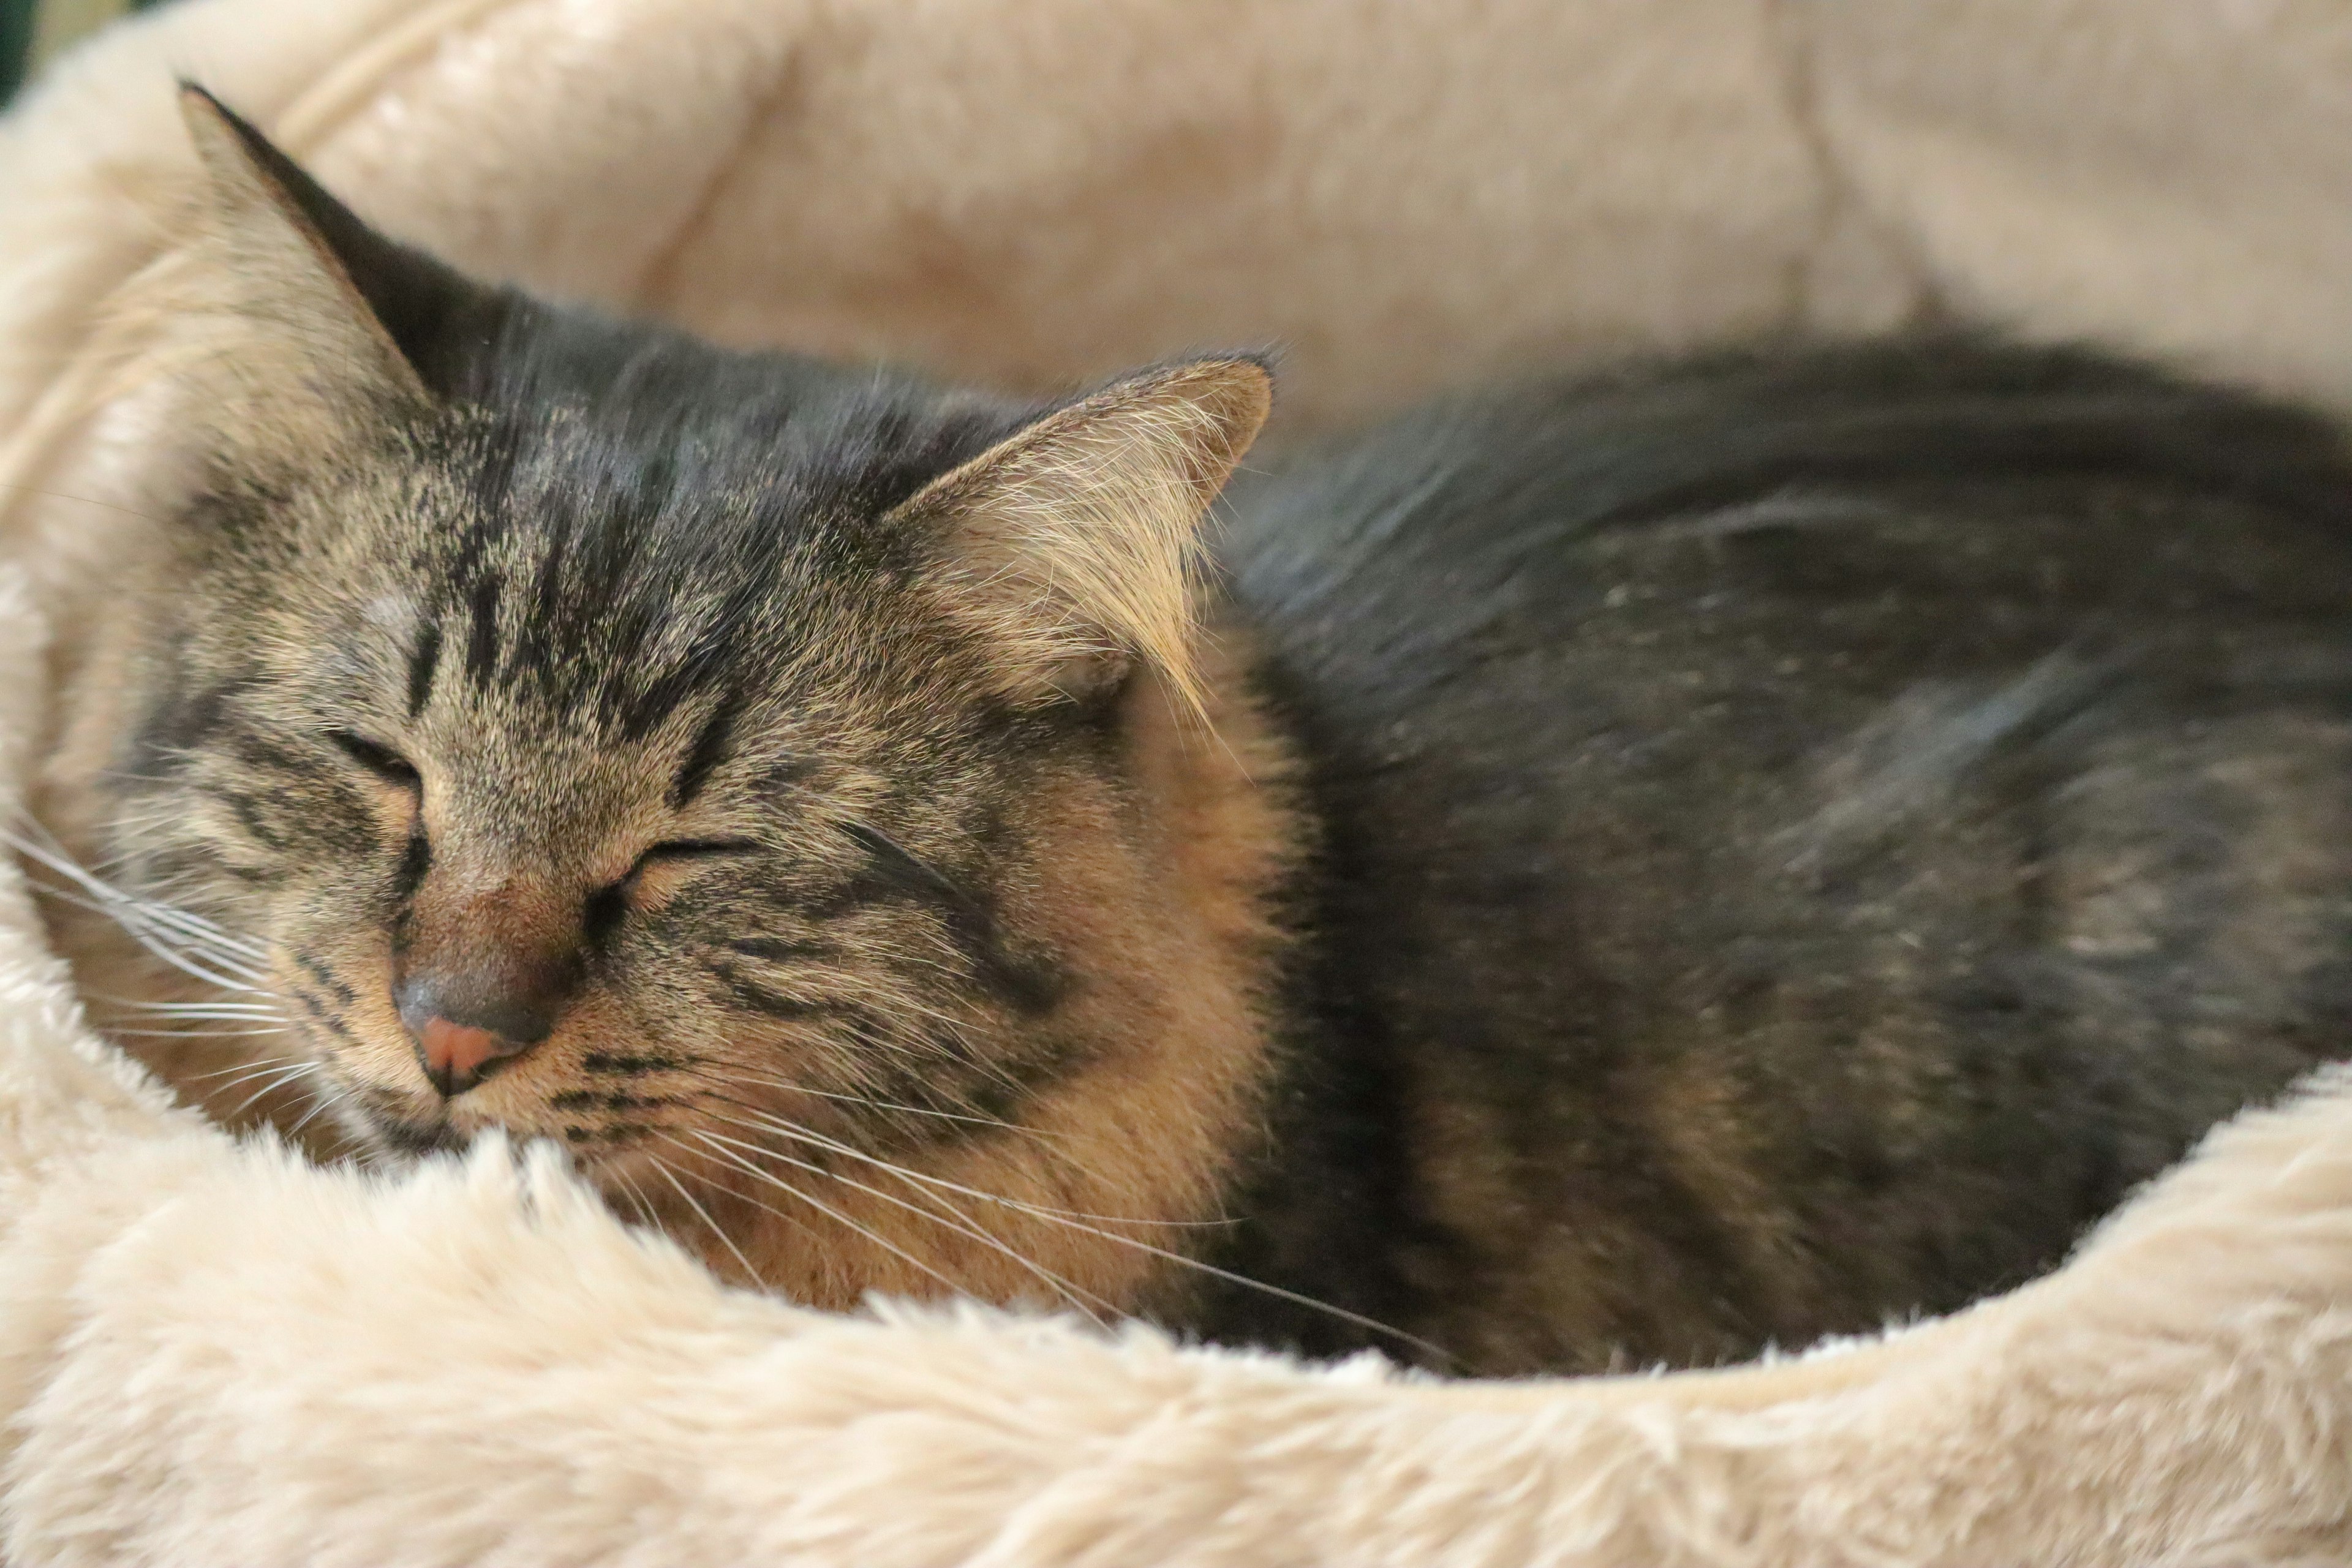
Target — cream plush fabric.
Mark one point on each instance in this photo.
(210, 1353)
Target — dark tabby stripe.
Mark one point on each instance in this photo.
(709, 749)
(265, 755)
(1029, 987)
(179, 724)
(343, 994)
(623, 1133)
(775, 1004)
(249, 814)
(621, 1065)
(482, 641)
(422, 667)
(602, 1100)
(321, 1014)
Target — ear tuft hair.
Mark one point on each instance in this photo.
(283, 325)
(265, 256)
(1073, 547)
(413, 301)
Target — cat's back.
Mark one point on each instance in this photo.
(1805, 832)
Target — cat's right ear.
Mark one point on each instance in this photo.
(292, 317)
(1073, 548)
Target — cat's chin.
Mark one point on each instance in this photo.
(414, 1140)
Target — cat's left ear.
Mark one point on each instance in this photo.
(1073, 547)
(303, 309)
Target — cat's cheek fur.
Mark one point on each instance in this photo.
(1145, 1074)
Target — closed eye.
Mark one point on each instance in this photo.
(677, 849)
(379, 760)
(608, 905)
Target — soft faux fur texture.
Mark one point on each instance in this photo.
(212, 1353)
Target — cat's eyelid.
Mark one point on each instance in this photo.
(376, 758)
(696, 850)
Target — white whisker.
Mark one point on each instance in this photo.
(1074, 1222)
(261, 1066)
(872, 1103)
(962, 1224)
(188, 942)
(763, 1120)
(837, 1217)
(130, 916)
(724, 1239)
(113, 898)
(208, 1009)
(276, 1081)
(637, 1200)
(324, 1095)
(191, 1033)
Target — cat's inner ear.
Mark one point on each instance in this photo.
(303, 299)
(1074, 548)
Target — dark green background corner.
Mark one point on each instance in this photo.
(33, 31)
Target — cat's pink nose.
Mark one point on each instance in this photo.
(455, 1054)
(483, 976)
(465, 1028)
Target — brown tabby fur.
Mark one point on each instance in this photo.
(1633, 869)
(1137, 1144)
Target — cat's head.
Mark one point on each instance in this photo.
(605, 735)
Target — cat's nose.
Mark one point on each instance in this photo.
(464, 1027)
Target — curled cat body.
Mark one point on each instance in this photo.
(1613, 871)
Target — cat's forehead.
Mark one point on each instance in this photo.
(599, 618)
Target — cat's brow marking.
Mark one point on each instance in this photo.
(482, 641)
(709, 749)
(423, 664)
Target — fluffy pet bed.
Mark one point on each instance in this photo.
(210, 1352)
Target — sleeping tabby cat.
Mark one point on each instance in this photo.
(1617, 871)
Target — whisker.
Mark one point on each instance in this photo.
(83, 501)
(835, 1215)
(186, 965)
(724, 1239)
(246, 1068)
(111, 903)
(794, 1129)
(47, 852)
(962, 1224)
(225, 1003)
(637, 1200)
(198, 927)
(325, 1095)
(261, 1010)
(867, 1100)
(299, 1070)
(55, 858)
(132, 918)
(1064, 1218)
(248, 1071)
